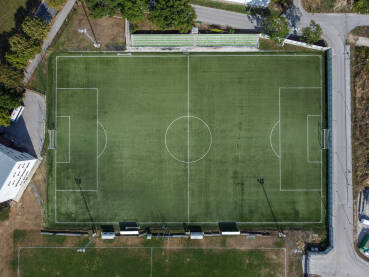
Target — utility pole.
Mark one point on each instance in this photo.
(84, 31)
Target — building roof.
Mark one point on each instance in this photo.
(7, 164)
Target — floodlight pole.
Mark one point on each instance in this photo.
(84, 31)
(93, 39)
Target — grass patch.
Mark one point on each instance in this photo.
(19, 235)
(54, 240)
(268, 44)
(8, 13)
(4, 213)
(151, 261)
(39, 78)
(99, 262)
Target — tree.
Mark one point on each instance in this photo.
(134, 10)
(20, 44)
(55, 4)
(35, 28)
(17, 60)
(177, 14)
(4, 117)
(313, 33)
(9, 77)
(361, 6)
(100, 8)
(22, 49)
(276, 27)
(10, 98)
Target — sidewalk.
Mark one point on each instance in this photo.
(61, 16)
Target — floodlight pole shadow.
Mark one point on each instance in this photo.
(281, 234)
(88, 209)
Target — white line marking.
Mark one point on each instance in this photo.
(151, 249)
(173, 155)
(69, 142)
(321, 152)
(280, 140)
(94, 190)
(280, 149)
(179, 56)
(188, 139)
(285, 262)
(56, 128)
(106, 140)
(19, 250)
(97, 143)
(307, 139)
(193, 222)
(97, 139)
(270, 140)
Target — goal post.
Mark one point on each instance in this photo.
(51, 139)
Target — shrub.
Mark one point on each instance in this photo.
(35, 28)
(177, 14)
(361, 6)
(276, 27)
(9, 77)
(313, 33)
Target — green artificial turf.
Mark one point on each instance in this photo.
(185, 138)
(94, 262)
(150, 262)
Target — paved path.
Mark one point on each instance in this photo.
(342, 260)
(28, 132)
(59, 20)
(226, 18)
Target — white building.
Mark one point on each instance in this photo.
(15, 169)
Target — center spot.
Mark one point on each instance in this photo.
(188, 139)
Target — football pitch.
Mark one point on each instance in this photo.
(198, 139)
(151, 261)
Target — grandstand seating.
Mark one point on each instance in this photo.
(178, 40)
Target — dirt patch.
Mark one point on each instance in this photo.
(109, 32)
(337, 6)
(39, 179)
(361, 31)
(360, 122)
(25, 214)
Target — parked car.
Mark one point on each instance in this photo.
(364, 221)
(364, 245)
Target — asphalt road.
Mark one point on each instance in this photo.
(226, 18)
(342, 260)
(59, 20)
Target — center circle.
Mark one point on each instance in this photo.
(188, 139)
